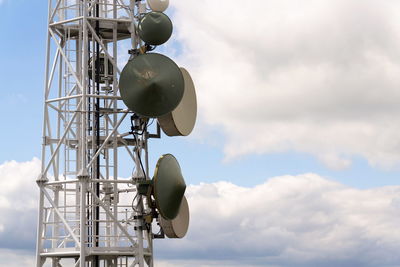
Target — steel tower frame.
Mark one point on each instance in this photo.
(88, 216)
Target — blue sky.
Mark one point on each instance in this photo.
(298, 88)
(23, 51)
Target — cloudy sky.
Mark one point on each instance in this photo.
(297, 146)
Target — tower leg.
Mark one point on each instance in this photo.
(83, 223)
(39, 242)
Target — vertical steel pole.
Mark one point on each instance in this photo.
(41, 179)
(55, 223)
(150, 233)
(46, 89)
(83, 146)
(96, 133)
(115, 119)
(113, 226)
(83, 183)
(39, 241)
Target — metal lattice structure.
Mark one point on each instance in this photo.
(87, 215)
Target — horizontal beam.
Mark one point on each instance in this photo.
(78, 96)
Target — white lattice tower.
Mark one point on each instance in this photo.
(87, 215)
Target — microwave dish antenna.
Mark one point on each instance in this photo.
(158, 5)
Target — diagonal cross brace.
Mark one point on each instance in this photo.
(61, 141)
(106, 140)
(102, 46)
(100, 202)
(71, 232)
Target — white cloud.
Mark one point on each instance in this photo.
(18, 204)
(18, 183)
(302, 220)
(318, 77)
(202, 263)
(16, 258)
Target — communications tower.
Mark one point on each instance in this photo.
(88, 215)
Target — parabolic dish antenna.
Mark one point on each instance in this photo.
(155, 28)
(169, 186)
(158, 5)
(151, 85)
(178, 227)
(181, 121)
